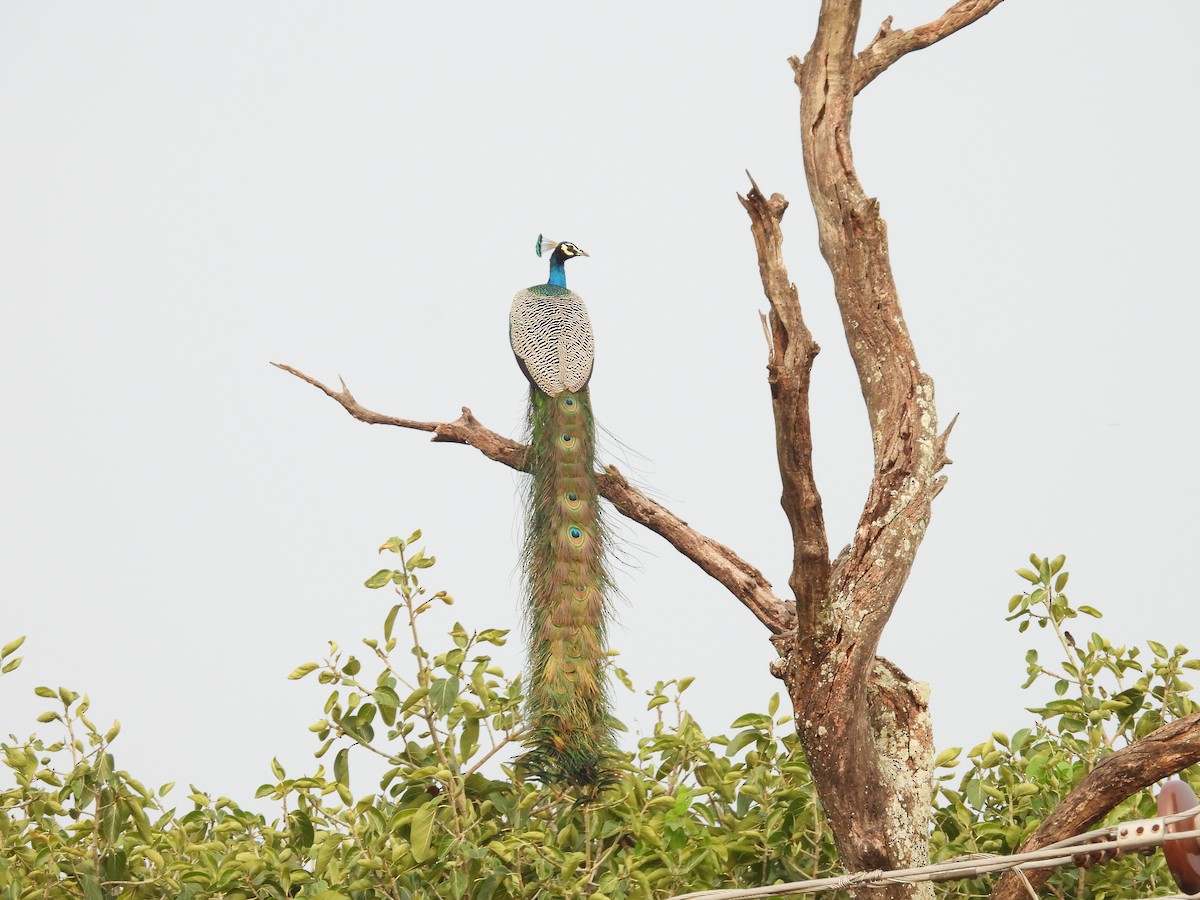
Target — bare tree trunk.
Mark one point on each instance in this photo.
(864, 724)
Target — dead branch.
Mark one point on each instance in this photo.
(466, 429)
(737, 576)
(889, 44)
(1160, 754)
(789, 371)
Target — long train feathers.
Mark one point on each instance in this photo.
(567, 585)
(567, 698)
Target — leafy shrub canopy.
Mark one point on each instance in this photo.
(691, 811)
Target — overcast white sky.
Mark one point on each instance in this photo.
(188, 191)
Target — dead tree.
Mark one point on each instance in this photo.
(863, 723)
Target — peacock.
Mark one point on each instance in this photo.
(570, 740)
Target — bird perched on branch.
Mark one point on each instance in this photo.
(566, 581)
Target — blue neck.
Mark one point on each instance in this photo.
(558, 272)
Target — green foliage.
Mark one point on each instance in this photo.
(450, 818)
(1105, 697)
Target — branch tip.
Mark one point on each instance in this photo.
(890, 44)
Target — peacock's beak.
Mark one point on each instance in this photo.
(583, 252)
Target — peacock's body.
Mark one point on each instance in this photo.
(570, 739)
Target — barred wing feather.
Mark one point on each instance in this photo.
(551, 336)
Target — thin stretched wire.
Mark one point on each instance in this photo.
(1061, 853)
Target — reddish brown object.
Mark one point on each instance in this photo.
(1183, 857)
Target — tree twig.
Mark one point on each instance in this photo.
(740, 578)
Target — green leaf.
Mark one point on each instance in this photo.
(1090, 611)
(741, 741)
(660, 700)
(11, 665)
(301, 670)
(91, 888)
(341, 767)
(390, 622)
(301, 828)
(379, 579)
(948, 758)
(1061, 581)
(1031, 577)
(468, 743)
(394, 544)
(751, 720)
(11, 647)
(415, 697)
(1159, 650)
(46, 692)
(443, 692)
(422, 831)
(386, 697)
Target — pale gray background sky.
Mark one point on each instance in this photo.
(188, 191)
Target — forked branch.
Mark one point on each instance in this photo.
(740, 578)
(889, 44)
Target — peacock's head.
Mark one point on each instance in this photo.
(567, 249)
(563, 250)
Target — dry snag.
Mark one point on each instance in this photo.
(863, 723)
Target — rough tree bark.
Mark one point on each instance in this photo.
(863, 723)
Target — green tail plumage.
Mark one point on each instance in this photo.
(570, 738)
